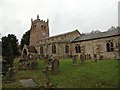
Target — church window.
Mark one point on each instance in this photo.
(110, 46)
(41, 50)
(78, 48)
(66, 49)
(53, 48)
(44, 27)
(41, 26)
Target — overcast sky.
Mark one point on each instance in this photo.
(63, 15)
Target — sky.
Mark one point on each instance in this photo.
(64, 15)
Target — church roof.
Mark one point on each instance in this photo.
(31, 49)
(62, 34)
(65, 34)
(98, 35)
(62, 37)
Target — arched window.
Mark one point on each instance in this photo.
(53, 48)
(44, 27)
(78, 48)
(110, 46)
(66, 49)
(41, 50)
(41, 26)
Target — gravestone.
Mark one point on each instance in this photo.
(95, 58)
(28, 83)
(49, 64)
(46, 71)
(34, 65)
(82, 58)
(55, 66)
(10, 76)
(22, 64)
(74, 60)
(28, 64)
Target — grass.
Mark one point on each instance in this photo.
(103, 74)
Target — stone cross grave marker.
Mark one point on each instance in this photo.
(55, 66)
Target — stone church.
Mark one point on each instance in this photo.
(100, 45)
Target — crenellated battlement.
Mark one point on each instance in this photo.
(39, 29)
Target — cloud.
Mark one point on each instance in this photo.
(64, 15)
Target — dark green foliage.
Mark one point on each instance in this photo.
(25, 39)
(5, 67)
(10, 54)
(14, 44)
(9, 51)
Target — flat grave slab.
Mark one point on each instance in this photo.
(28, 83)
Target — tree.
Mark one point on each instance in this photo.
(14, 42)
(25, 39)
(4, 46)
(11, 38)
(10, 54)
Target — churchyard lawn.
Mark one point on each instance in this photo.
(101, 74)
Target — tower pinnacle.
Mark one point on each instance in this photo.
(37, 16)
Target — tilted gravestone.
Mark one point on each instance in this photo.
(55, 66)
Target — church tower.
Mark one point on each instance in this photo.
(39, 29)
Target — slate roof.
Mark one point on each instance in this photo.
(97, 35)
(61, 35)
(31, 49)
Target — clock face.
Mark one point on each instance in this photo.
(43, 34)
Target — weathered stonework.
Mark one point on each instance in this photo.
(64, 45)
(39, 30)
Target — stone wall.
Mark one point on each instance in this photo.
(59, 41)
(98, 47)
(39, 30)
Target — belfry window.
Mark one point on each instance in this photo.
(66, 49)
(78, 48)
(41, 26)
(53, 48)
(110, 46)
(44, 27)
(41, 50)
